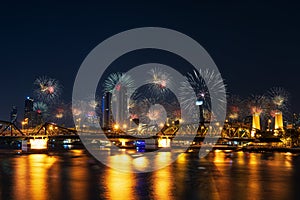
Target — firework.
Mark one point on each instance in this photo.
(59, 115)
(195, 88)
(117, 82)
(273, 113)
(160, 82)
(257, 104)
(157, 114)
(47, 89)
(279, 97)
(93, 104)
(139, 109)
(234, 107)
(41, 108)
(121, 86)
(86, 112)
(78, 108)
(62, 114)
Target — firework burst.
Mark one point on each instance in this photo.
(117, 82)
(195, 88)
(41, 108)
(85, 112)
(234, 107)
(157, 114)
(279, 97)
(160, 81)
(62, 114)
(47, 89)
(257, 104)
(121, 86)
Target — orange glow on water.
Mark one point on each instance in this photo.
(33, 173)
(120, 185)
(38, 176)
(219, 176)
(162, 178)
(141, 163)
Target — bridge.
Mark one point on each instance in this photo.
(48, 129)
(237, 130)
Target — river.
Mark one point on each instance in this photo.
(75, 175)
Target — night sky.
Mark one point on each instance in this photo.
(255, 45)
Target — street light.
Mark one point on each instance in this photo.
(199, 103)
(116, 127)
(124, 127)
(269, 124)
(23, 123)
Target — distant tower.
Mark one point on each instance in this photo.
(106, 110)
(278, 121)
(28, 105)
(256, 121)
(255, 124)
(13, 114)
(29, 114)
(120, 104)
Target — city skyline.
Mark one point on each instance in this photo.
(243, 43)
(113, 106)
(149, 100)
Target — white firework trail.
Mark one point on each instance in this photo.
(160, 82)
(257, 104)
(47, 89)
(41, 108)
(279, 97)
(195, 88)
(118, 81)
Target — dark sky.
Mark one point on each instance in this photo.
(255, 45)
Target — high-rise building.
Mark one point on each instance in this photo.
(278, 121)
(28, 109)
(256, 121)
(120, 104)
(28, 104)
(29, 114)
(13, 114)
(106, 110)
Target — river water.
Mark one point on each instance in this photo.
(75, 175)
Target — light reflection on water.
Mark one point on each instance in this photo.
(162, 179)
(257, 175)
(75, 175)
(119, 184)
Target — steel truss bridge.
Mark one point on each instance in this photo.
(48, 129)
(237, 130)
(213, 129)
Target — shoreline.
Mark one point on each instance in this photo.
(194, 149)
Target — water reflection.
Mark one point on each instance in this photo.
(254, 175)
(75, 175)
(31, 176)
(78, 173)
(163, 180)
(120, 185)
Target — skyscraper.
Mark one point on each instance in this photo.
(13, 114)
(29, 114)
(28, 105)
(106, 110)
(120, 104)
